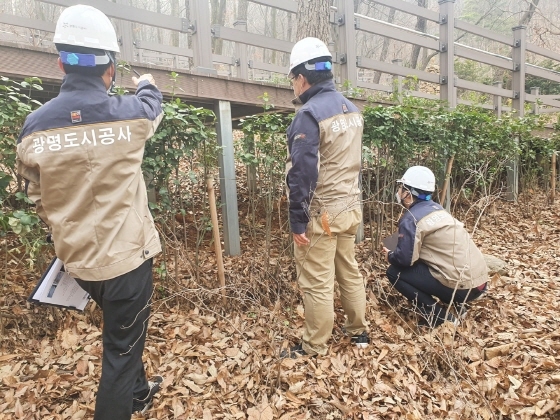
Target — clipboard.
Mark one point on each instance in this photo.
(57, 288)
(390, 242)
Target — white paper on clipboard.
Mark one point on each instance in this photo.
(58, 288)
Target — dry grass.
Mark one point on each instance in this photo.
(502, 362)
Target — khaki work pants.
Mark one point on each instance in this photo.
(318, 264)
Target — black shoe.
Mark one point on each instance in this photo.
(294, 352)
(433, 322)
(360, 340)
(141, 406)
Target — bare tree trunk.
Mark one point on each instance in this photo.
(286, 58)
(266, 33)
(500, 74)
(159, 33)
(218, 18)
(385, 48)
(313, 20)
(421, 27)
(290, 26)
(242, 7)
(427, 57)
(274, 31)
(528, 15)
(175, 12)
(189, 38)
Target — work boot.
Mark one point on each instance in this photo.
(294, 352)
(144, 404)
(360, 340)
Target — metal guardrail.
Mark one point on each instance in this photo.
(347, 24)
(345, 54)
(131, 14)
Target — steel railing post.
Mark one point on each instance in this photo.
(199, 28)
(518, 103)
(228, 188)
(241, 52)
(498, 101)
(346, 45)
(447, 52)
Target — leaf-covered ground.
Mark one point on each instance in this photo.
(502, 362)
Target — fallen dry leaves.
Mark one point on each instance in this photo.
(502, 362)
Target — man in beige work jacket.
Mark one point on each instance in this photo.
(324, 145)
(81, 156)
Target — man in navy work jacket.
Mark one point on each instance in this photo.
(434, 256)
(81, 156)
(323, 168)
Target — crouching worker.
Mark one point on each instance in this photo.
(434, 256)
(81, 155)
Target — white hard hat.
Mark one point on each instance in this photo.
(419, 177)
(86, 26)
(307, 49)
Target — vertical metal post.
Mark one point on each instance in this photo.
(536, 92)
(346, 46)
(345, 56)
(447, 93)
(447, 52)
(228, 189)
(498, 101)
(201, 36)
(397, 82)
(241, 52)
(518, 86)
(455, 97)
(518, 82)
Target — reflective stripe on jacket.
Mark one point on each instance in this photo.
(430, 234)
(324, 155)
(81, 154)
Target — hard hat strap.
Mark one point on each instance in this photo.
(425, 197)
(321, 66)
(84, 60)
(415, 193)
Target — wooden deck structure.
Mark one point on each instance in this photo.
(233, 97)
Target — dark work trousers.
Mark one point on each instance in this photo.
(418, 285)
(124, 301)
